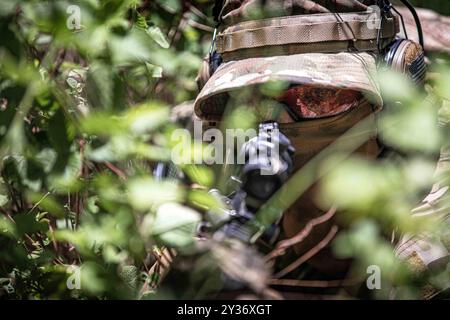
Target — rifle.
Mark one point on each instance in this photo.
(267, 166)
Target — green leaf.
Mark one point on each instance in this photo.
(47, 203)
(28, 223)
(100, 86)
(133, 48)
(103, 124)
(60, 140)
(7, 227)
(68, 179)
(146, 118)
(7, 7)
(3, 200)
(156, 34)
(171, 6)
(358, 184)
(144, 193)
(154, 71)
(411, 128)
(140, 21)
(396, 86)
(202, 175)
(175, 224)
(130, 274)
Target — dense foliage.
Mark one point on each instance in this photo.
(84, 116)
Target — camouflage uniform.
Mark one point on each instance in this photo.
(253, 57)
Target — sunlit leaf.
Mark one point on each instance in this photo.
(175, 224)
(144, 193)
(158, 36)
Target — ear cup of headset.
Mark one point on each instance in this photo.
(408, 57)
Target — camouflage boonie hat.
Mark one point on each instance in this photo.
(314, 51)
(342, 70)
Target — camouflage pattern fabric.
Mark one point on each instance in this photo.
(329, 33)
(436, 29)
(343, 70)
(236, 11)
(426, 252)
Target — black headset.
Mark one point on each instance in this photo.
(217, 9)
(416, 19)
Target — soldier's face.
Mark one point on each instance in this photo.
(330, 117)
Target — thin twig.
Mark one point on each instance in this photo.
(311, 253)
(116, 170)
(55, 244)
(200, 26)
(39, 202)
(285, 244)
(197, 12)
(160, 259)
(26, 236)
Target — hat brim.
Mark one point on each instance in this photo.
(348, 70)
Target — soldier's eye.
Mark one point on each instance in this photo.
(317, 102)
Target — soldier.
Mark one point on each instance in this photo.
(326, 52)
